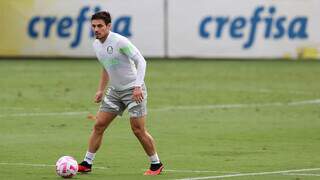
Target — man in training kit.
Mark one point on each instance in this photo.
(123, 70)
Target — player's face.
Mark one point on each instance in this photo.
(100, 29)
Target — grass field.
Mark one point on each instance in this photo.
(246, 119)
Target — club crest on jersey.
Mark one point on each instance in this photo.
(110, 49)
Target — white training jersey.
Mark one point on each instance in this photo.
(122, 60)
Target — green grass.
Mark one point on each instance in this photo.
(192, 129)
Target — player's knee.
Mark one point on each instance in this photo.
(139, 132)
(99, 128)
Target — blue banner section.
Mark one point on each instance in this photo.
(161, 28)
(273, 26)
(61, 27)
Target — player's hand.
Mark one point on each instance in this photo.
(137, 95)
(98, 97)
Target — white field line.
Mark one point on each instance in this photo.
(99, 167)
(236, 106)
(249, 90)
(45, 114)
(170, 108)
(300, 174)
(196, 171)
(250, 174)
(39, 165)
(277, 91)
(285, 172)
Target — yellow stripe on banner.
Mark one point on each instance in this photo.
(14, 17)
(308, 53)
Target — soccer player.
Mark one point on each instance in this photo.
(123, 71)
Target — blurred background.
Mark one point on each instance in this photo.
(165, 28)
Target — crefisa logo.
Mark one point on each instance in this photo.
(263, 20)
(63, 27)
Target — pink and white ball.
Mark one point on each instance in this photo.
(66, 167)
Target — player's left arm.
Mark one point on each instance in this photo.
(133, 53)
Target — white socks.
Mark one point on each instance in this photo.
(154, 159)
(89, 157)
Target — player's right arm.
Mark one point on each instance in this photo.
(102, 85)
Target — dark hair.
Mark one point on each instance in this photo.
(103, 15)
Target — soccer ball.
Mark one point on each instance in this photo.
(66, 167)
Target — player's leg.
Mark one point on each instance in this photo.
(138, 112)
(139, 130)
(110, 107)
(102, 122)
(148, 144)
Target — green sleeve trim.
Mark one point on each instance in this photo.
(127, 50)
